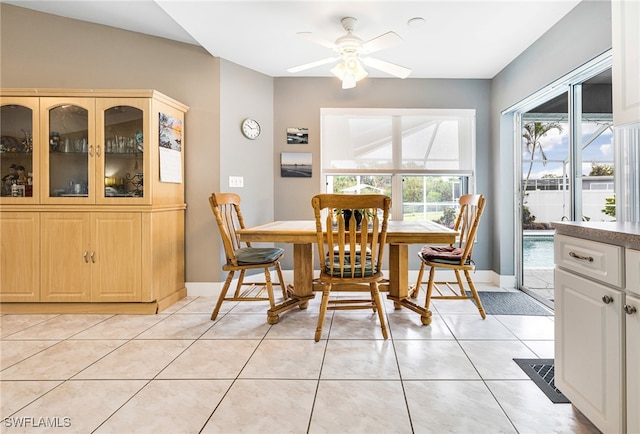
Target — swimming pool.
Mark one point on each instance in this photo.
(537, 250)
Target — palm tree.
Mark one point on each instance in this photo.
(533, 133)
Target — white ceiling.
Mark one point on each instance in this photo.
(459, 39)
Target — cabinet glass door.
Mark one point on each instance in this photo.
(16, 151)
(123, 152)
(69, 151)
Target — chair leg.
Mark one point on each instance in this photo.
(223, 294)
(375, 295)
(460, 285)
(476, 297)
(283, 286)
(269, 285)
(432, 275)
(239, 285)
(326, 290)
(416, 290)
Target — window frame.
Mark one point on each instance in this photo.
(397, 172)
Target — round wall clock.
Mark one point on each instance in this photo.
(250, 128)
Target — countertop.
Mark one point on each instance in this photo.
(617, 233)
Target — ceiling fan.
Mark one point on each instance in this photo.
(353, 51)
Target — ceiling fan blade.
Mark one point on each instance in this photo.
(321, 41)
(313, 64)
(389, 68)
(381, 42)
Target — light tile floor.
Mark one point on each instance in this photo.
(179, 372)
(539, 281)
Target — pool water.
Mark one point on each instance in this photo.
(537, 251)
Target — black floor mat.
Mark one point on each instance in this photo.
(542, 372)
(511, 303)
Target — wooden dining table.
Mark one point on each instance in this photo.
(302, 234)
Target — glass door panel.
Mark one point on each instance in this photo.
(68, 151)
(545, 191)
(566, 173)
(123, 152)
(595, 148)
(16, 151)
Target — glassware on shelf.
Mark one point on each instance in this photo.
(123, 143)
(16, 150)
(68, 161)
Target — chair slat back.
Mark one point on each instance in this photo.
(226, 209)
(342, 240)
(471, 208)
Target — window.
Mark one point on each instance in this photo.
(423, 158)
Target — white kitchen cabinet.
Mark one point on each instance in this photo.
(597, 323)
(589, 348)
(625, 26)
(594, 260)
(632, 322)
(633, 271)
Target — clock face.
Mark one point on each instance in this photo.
(250, 128)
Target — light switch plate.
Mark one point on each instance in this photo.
(236, 181)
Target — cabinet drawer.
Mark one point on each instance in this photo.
(599, 261)
(633, 271)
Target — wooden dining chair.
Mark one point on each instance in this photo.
(456, 257)
(242, 257)
(350, 253)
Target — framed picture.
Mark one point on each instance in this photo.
(170, 146)
(297, 136)
(295, 164)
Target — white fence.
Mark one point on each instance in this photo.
(553, 205)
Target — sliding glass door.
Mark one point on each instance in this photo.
(566, 171)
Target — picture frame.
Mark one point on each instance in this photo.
(296, 164)
(297, 136)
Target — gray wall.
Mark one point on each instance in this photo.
(247, 94)
(580, 36)
(297, 103)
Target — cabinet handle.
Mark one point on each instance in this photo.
(97, 150)
(630, 310)
(580, 257)
(90, 150)
(606, 298)
(86, 260)
(93, 260)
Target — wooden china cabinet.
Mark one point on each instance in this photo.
(92, 201)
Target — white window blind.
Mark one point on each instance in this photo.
(412, 140)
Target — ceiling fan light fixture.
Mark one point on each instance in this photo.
(350, 72)
(339, 70)
(353, 53)
(348, 81)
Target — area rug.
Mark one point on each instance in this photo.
(542, 372)
(511, 303)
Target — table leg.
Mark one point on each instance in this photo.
(302, 289)
(399, 270)
(303, 269)
(399, 282)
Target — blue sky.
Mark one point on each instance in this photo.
(556, 147)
